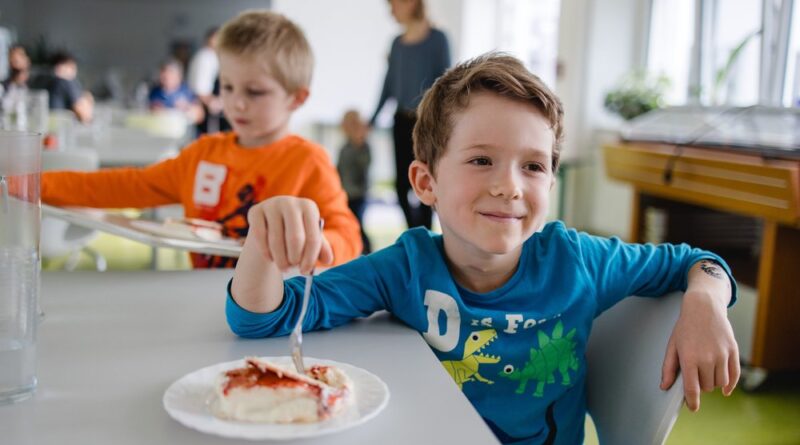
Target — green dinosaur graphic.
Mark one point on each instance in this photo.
(466, 369)
(555, 353)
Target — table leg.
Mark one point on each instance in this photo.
(635, 234)
(777, 334)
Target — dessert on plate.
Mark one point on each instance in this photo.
(194, 227)
(265, 392)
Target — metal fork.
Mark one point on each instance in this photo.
(296, 339)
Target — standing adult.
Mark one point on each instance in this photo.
(418, 56)
(203, 80)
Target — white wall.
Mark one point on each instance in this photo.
(599, 42)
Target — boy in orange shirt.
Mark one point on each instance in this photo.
(265, 73)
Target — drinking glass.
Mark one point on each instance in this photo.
(20, 218)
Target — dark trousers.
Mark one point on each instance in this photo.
(417, 214)
(357, 206)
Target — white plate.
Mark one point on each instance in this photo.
(187, 401)
(179, 232)
(160, 229)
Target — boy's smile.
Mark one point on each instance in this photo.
(491, 186)
(256, 104)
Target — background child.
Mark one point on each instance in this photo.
(265, 70)
(353, 167)
(172, 93)
(65, 91)
(499, 284)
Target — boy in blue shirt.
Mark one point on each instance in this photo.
(499, 285)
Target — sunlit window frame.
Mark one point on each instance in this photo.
(776, 31)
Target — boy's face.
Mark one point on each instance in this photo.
(491, 188)
(354, 129)
(255, 103)
(170, 77)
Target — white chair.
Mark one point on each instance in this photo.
(60, 238)
(624, 358)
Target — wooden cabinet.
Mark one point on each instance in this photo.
(742, 184)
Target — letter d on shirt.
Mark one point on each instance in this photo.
(437, 302)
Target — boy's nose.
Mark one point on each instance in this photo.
(506, 184)
(239, 103)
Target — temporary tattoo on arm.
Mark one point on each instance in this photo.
(712, 268)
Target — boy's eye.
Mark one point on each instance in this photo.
(227, 88)
(256, 92)
(480, 161)
(535, 167)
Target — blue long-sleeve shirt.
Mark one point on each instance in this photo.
(517, 352)
(413, 67)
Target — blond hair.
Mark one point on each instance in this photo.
(492, 72)
(275, 39)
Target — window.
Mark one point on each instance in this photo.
(727, 50)
(735, 52)
(525, 29)
(670, 47)
(791, 91)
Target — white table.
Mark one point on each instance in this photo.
(111, 343)
(128, 147)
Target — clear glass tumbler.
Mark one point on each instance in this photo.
(20, 218)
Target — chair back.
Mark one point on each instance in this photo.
(58, 236)
(76, 160)
(624, 359)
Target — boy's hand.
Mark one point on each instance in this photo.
(702, 346)
(285, 229)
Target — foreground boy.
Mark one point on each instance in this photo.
(265, 73)
(498, 281)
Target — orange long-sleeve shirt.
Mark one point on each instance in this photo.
(216, 179)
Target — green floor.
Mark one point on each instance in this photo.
(768, 416)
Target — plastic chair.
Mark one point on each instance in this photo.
(60, 238)
(624, 358)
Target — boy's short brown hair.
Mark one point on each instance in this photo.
(275, 39)
(492, 72)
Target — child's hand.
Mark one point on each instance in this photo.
(286, 231)
(702, 346)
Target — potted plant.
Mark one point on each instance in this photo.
(636, 94)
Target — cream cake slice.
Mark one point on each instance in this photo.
(263, 392)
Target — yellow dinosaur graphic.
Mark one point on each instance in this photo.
(466, 369)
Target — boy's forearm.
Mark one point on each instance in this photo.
(706, 277)
(257, 282)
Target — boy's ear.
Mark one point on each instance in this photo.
(300, 97)
(422, 180)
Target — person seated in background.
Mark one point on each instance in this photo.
(353, 167)
(19, 66)
(505, 300)
(65, 91)
(172, 93)
(19, 71)
(265, 68)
